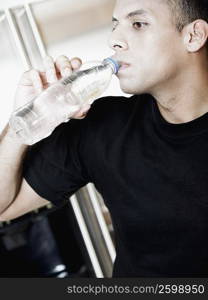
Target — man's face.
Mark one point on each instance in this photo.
(146, 40)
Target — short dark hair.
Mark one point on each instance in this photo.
(186, 11)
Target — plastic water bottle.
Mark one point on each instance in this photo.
(59, 102)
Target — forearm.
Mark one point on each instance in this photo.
(12, 153)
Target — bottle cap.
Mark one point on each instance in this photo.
(114, 63)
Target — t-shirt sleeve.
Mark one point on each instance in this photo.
(53, 167)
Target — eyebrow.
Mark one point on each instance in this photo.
(133, 14)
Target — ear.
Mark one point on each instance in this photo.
(195, 35)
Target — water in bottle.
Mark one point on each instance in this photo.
(60, 101)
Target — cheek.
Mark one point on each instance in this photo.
(158, 59)
(154, 48)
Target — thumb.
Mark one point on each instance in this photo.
(82, 112)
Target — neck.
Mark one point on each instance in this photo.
(186, 97)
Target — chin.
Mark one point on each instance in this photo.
(129, 89)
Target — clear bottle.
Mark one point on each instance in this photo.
(38, 118)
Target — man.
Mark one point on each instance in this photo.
(147, 155)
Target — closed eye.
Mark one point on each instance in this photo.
(136, 25)
(139, 25)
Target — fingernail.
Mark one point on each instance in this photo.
(75, 63)
(67, 72)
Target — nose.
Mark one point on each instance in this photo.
(117, 42)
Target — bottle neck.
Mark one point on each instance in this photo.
(111, 67)
(114, 65)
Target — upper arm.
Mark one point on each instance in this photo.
(26, 200)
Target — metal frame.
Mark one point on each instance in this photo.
(86, 236)
(18, 39)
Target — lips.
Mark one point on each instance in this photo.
(124, 65)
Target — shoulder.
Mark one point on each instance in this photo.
(104, 113)
(107, 108)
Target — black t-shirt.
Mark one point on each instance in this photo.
(153, 176)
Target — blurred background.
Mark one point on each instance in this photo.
(76, 240)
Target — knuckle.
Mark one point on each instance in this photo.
(48, 62)
(64, 64)
(48, 58)
(34, 75)
(50, 69)
(28, 72)
(34, 72)
(62, 59)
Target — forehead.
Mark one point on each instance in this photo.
(154, 8)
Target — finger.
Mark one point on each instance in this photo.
(63, 66)
(80, 116)
(50, 69)
(44, 79)
(25, 78)
(85, 108)
(36, 81)
(76, 63)
(82, 112)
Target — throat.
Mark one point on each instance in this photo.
(180, 112)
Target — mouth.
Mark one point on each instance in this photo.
(123, 65)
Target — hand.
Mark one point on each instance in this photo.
(33, 82)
